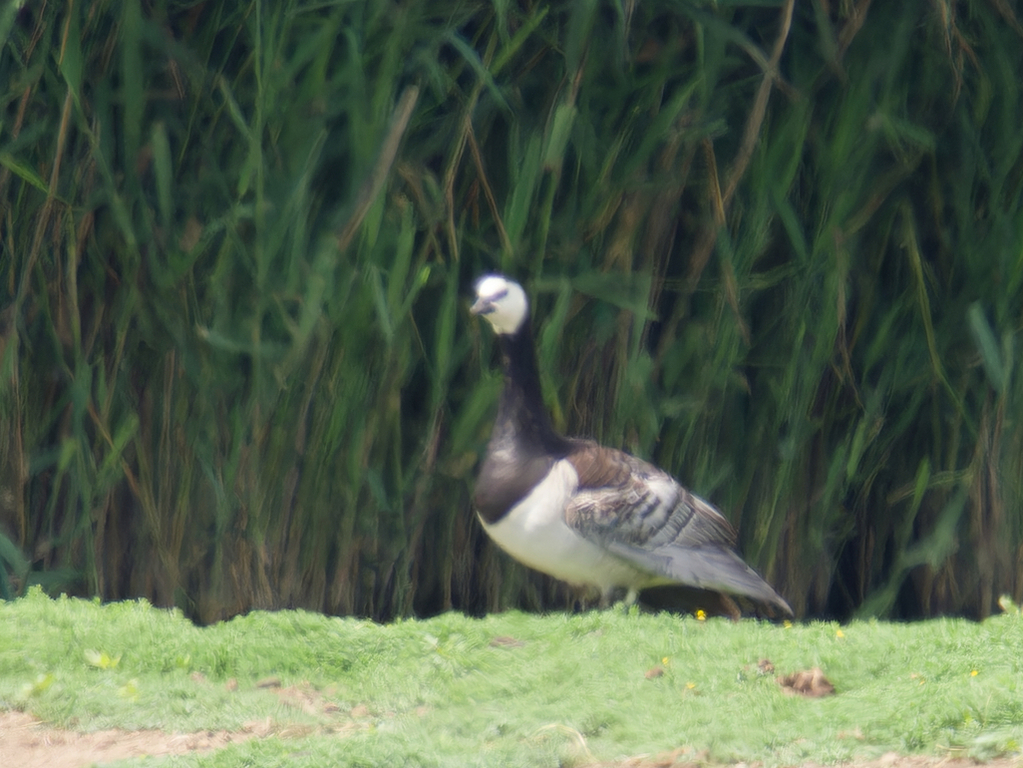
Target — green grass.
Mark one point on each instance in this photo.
(570, 689)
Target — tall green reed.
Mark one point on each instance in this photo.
(776, 249)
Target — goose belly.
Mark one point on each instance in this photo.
(534, 532)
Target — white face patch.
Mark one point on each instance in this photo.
(501, 302)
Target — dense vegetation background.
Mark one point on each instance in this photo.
(775, 247)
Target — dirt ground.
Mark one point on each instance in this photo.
(27, 743)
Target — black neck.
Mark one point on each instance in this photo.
(521, 409)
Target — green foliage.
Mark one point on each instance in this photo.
(516, 688)
(777, 250)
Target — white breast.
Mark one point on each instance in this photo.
(534, 532)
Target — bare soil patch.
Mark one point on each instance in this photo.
(26, 742)
(686, 759)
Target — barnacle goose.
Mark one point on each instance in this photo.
(589, 515)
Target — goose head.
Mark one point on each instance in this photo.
(502, 303)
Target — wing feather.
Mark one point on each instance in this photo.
(627, 499)
(641, 514)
